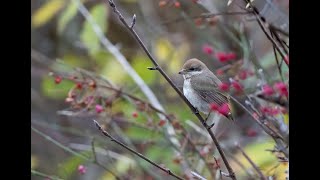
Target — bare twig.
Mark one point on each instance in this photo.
(261, 23)
(94, 151)
(281, 41)
(133, 151)
(72, 151)
(262, 177)
(229, 168)
(126, 65)
(277, 60)
(207, 15)
(279, 30)
(40, 174)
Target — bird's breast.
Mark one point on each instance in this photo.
(193, 97)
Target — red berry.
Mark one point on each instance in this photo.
(198, 21)
(79, 86)
(214, 107)
(162, 122)
(81, 169)
(177, 4)
(58, 80)
(251, 132)
(224, 87)
(243, 75)
(231, 55)
(162, 3)
(282, 88)
(222, 57)
(219, 72)
(207, 49)
(236, 85)
(135, 114)
(224, 109)
(267, 90)
(99, 108)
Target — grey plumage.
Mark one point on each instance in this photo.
(201, 87)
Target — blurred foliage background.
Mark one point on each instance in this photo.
(64, 44)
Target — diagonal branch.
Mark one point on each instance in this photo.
(48, 138)
(133, 151)
(262, 177)
(229, 168)
(204, 16)
(261, 23)
(170, 133)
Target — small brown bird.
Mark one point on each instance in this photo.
(201, 88)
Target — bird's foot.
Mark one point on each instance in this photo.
(209, 127)
(196, 111)
(207, 116)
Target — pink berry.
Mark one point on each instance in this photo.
(99, 108)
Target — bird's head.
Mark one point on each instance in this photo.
(192, 67)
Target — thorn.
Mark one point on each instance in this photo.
(97, 124)
(211, 125)
(195, 111)
(229, 2)
(152, 68)
(134, 17)
(208, 116)
(111, 3)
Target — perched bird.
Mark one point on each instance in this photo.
(201, 88)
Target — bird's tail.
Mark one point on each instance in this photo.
(230, 116)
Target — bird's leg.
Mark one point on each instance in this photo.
(196, 111)
(208, 116)
(209, 127)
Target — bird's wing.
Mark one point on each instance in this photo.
(208, 89)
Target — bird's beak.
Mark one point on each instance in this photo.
(183, 71)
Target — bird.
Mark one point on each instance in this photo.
(201, 88)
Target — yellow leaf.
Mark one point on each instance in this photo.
(258, 154)
(163, 49)
(113, 71)
(34, 162)
(46, 12)
(286, 118)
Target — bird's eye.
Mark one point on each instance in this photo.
(192, 69)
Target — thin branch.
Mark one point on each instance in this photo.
(133, 151)
(261, 21)
(207, 15)
(262, 177)
(259, 120)
(167, 116)
(94, 151)
(229, 168)
(279, 30)
(71, 151)
(40, 174)
(277, 60)
(281, 42)
(126, 65)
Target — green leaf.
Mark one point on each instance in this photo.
(75, 61)
(69, 166)
(140, 64)
(124, 164)
(88, 36)
(101, 58)
(46, 12)
(137, 133)
(66, 16)
(55, 91)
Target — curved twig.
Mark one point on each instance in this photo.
(157, 67)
